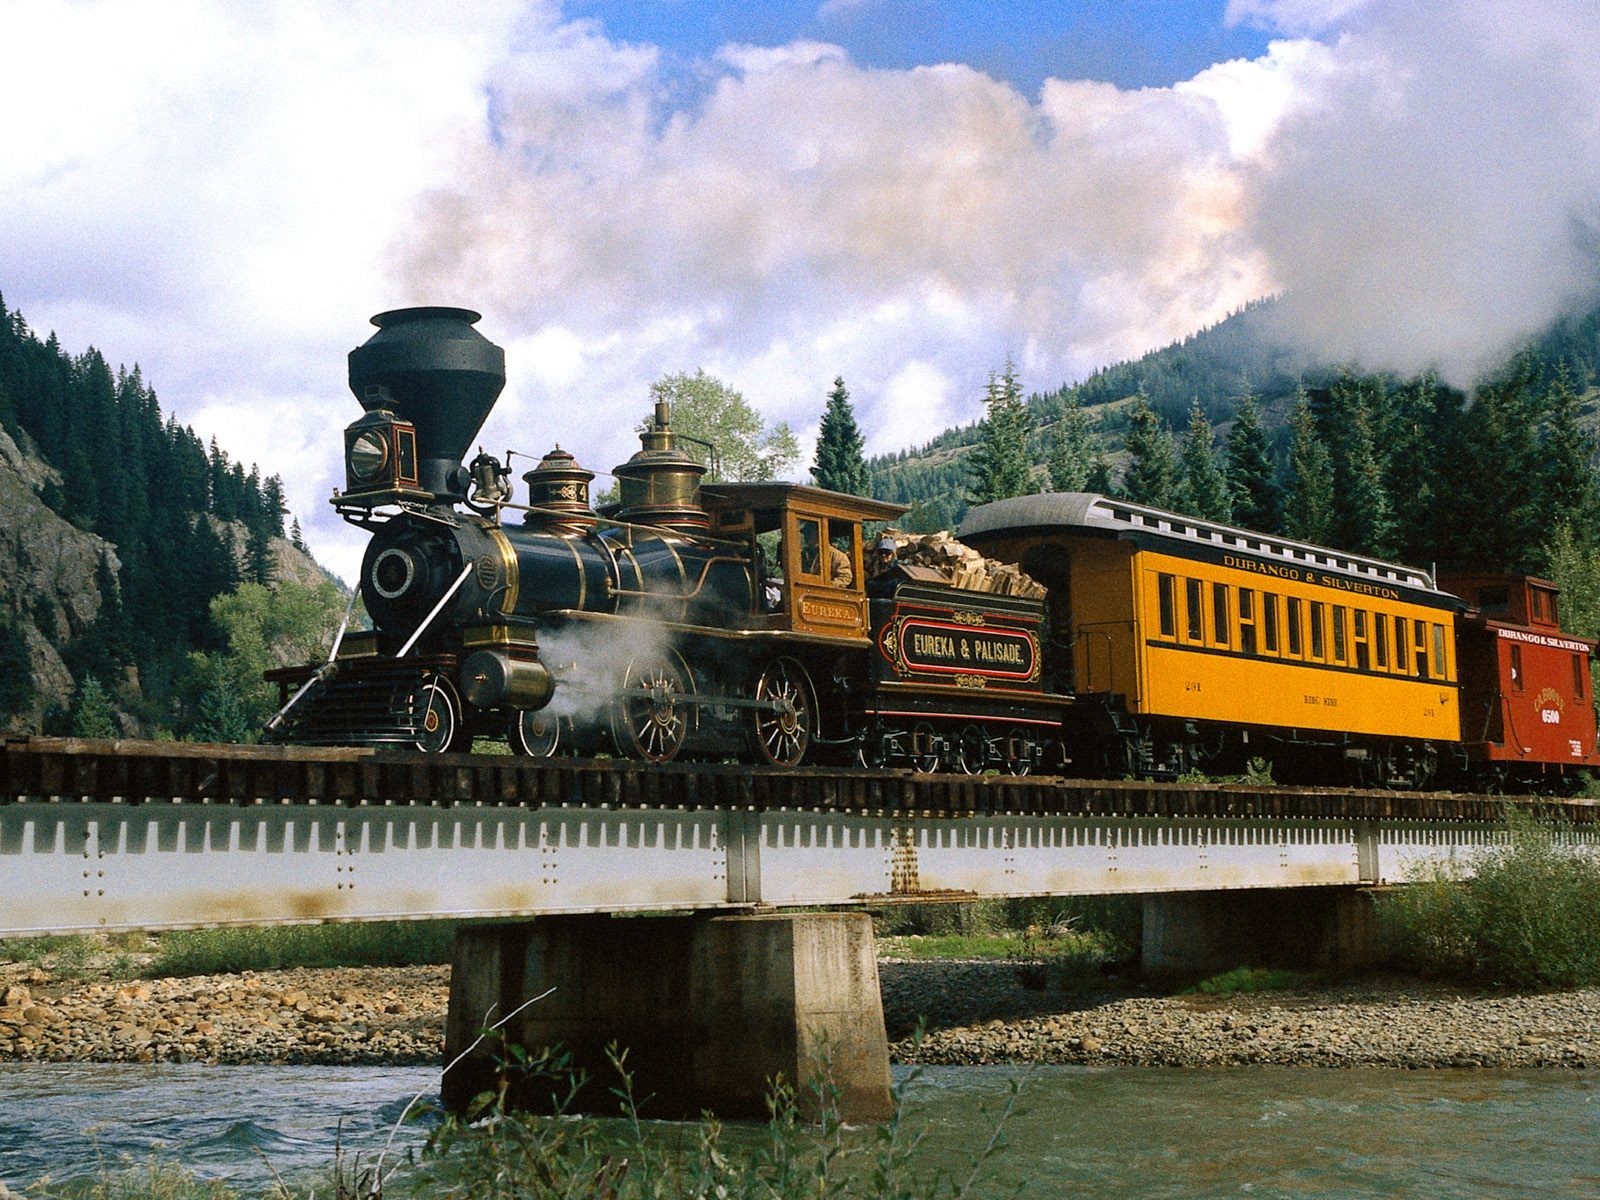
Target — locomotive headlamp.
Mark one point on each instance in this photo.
(369, 454)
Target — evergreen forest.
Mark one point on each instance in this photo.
(1227, 426)
(187, 525)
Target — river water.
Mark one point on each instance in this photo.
(1079, 1131)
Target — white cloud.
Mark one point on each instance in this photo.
(224, 192)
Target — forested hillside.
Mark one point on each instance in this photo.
(120, 529)
(1406, 468)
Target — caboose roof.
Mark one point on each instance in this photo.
(1176, 534)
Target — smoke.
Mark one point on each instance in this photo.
(1418, 182)
(590, 660)
(1432, 201)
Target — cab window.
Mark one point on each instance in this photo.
(841, 565)
(810, 532)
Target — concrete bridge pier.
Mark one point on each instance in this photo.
(708, 1008)
(1201, 933)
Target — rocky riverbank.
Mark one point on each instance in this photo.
(973, 1012)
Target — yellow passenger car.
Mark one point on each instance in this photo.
(1197, 642)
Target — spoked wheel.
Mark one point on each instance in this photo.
(972, 750)
(651, 718)
(782, 734)
(536, 734)
(924, 748)
(1019, 752)
(873, 747)
(435, 710)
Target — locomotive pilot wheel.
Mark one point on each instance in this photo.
(536, 734)
(650, 720)
(436, 713)
(782, 734)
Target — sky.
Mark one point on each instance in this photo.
(904, 193)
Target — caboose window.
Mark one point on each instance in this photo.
(1578, 673)
(1319, 634)
(1516, 666)
(1194, 597)
(1269, 621)
(1167, 591)
(1219, 612)
(1294, 627)
(1338, 633)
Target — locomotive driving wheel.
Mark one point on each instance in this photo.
(1019, 752)
(536, 734)
(650, 720)
(435, 711)
(971, 750)
(782, 733)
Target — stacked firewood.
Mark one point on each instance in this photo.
(961, 566)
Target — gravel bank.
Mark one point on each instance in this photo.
(974, 1013)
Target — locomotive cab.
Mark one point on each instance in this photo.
(814, 574)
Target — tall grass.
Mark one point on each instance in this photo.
(1525, 912)
(494, 1154)
(354, 944)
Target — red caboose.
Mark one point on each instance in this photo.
(1527, 709)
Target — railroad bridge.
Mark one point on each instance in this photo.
(99, 836)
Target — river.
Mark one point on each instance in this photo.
(1080, 1131)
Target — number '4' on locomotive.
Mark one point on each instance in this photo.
(691, 618)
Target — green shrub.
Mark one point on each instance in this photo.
(1524, 912)
(1251, 979)
(352, 944)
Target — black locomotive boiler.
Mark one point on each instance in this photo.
(658, 627)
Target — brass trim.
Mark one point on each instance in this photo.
(583, 576)
(508, 563)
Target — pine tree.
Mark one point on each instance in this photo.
(1100, 480)
(297, 539)
(1308, 500)
(1000, 463)
(17, 692)
(1070, 462)
(221, 716)
(1249, 469)
(1152, 474)
(1366, 525)
(1203, 491)
(1571, 497)
(93, 715)
(840, 466)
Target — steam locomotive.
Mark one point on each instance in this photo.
(716, 619)
(663, 627)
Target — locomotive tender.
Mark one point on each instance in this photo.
(659, 627)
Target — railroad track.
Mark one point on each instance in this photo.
(139, 772)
